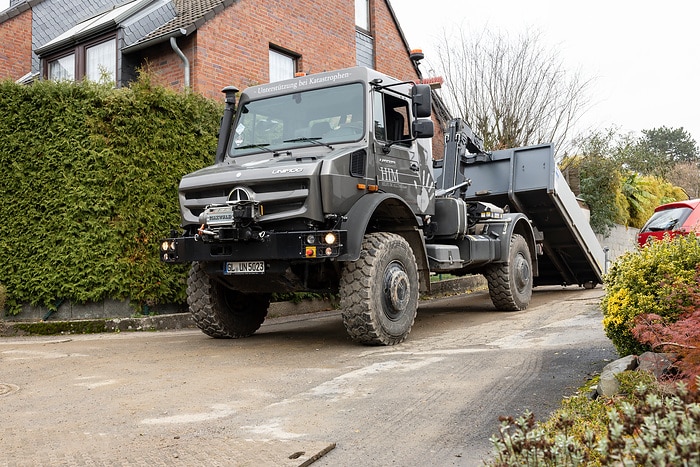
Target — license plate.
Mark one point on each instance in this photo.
(244, 267)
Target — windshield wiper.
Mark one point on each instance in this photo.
(314, 140)
(262, 146)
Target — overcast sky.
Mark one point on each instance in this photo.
(644, 56)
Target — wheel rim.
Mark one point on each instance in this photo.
(521, 271)
(397, 291)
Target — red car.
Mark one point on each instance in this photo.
(679, 218)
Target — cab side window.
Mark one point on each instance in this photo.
(391, 119)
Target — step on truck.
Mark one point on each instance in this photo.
(327, 183)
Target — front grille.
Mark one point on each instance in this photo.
(206, 193)
(276, 196)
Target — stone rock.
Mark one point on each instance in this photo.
(609, 385)
(657, 364)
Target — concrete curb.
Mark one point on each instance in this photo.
(10, 328)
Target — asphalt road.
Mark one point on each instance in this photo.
(298, 389)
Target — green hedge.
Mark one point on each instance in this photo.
(89, 185)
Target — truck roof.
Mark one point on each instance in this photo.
(315, 81)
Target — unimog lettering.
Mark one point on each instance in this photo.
(287, 171)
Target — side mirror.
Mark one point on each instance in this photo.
(420, 96)
(423, 128)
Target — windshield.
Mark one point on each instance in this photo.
(668, 219)
(314, 117)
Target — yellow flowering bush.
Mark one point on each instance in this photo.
(647, 280)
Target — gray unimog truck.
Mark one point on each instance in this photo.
(327, 183)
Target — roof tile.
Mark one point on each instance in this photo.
(190, 15)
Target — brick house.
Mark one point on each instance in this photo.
(203, 45)
(206, 44)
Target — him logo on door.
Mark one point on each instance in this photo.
(389, 175)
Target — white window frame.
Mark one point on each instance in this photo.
(104, 55)
(362, 15)
(282, 65)
(62, 68)
(80, 62)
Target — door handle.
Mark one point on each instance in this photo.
(414, 167)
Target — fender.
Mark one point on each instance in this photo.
(385, 212)
(517, 223)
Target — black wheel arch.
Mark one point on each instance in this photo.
(519, 224)
(386, 212)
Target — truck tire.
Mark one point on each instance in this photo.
(379, 291)
(221, 312)
(510, 284)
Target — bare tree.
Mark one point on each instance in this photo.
(687, 176)
(512, 92)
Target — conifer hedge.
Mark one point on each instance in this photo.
(88, 185)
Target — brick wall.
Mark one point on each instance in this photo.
(232, 48)
(166, 67)
(391, 56)
(16, 50)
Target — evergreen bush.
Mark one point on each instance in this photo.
(658, 279)
(89, 185)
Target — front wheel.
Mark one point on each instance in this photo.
(379, 291)
(222, 312)
(510, 284)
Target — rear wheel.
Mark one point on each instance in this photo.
(220, 311)
(510, 284)
(379, 291)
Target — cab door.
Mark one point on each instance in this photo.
(402, 166)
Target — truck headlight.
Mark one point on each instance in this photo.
(330, 238)
(167, 246)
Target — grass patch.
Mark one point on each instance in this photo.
(48, 328)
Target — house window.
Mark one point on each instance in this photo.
(282, 65)
(62, 68)
(364, 42)
(362, 14)
(96, 61)
(100, 61)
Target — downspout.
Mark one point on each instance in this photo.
(176, 49)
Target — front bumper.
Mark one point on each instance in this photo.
(301, 245)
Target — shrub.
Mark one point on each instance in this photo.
(681, 337)
(648, 427)
(601, 183)
(89, 185)
(654, 279)
(644, 193)
(662, 430)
